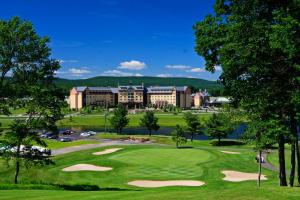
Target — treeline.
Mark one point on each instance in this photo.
(196, 84)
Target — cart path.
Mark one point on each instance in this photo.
(102, 143)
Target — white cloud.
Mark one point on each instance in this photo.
(164, 75)
(132, 65)
(197, 69)
(218, 68)
(68, 61)
(78, 72)
(179, 67)
(119, 73)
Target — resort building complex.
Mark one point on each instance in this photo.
(169, 95)
(131, 96)
(86, 96)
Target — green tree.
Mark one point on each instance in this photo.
(30, 86)
(218, 126)
(192, 122)
(149, 120)
(263, 135)
(178, 136)
(119, 119)
(257, 45)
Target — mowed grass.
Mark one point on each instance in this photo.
(152, 162)
(134, 120)
(54, 144)
(167, 120)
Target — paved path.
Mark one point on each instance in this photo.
(102, 143)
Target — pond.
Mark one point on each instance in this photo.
(143, 131)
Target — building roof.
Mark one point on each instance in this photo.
(181, 88)
(80, 88)
(160, 89)
(219, 100)
(135, 87)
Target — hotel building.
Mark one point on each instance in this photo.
(131, 96)
(86, 96)
(166, 95)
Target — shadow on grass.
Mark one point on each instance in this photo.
(51, 186)
(185, 147)
(227, 143)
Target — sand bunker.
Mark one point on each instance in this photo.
(154, 184)
(107, 151)
(86, 167)
(235, 176)
(231, 152)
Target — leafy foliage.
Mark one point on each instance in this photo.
(119, 119)
(193, 123)
(26, 56)
(149, 121)
(178, 136)
(257, 45)
(219, 126)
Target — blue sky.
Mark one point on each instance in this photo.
(118, 37)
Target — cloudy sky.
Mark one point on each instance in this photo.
(118, 37)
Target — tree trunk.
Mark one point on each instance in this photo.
(219, 140)
(292, 173)
(282, 172)
(295, 154)
(177, 144)
(17, 164)
(259, 169)
(150, 132)
(293, 148)
(298, 160)
(192, 137)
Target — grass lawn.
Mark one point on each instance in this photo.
(96, 120)
(54, 144)
(168, 120)
(151, 162)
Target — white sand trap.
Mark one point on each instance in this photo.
(106, 151)
(155, 184)
(86, 167)
(235, 176)
(231, 152)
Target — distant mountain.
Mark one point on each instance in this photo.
(211, 86)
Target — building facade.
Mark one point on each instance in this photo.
(87, 96)
(201, 98)
(169, 95)
(131, 96)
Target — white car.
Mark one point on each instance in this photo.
(92, 132)
(85, 134)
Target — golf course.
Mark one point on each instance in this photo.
(128, 165)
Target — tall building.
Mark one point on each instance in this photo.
(131, 95)
(166, 95)
(86, 96)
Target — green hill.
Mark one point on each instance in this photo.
(211, 86)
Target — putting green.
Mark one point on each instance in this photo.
(163, 163)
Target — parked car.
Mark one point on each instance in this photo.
(68, 132)
(49, 135)
(65, 139)
(92, 132)
(85, 134)
(88, 133)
